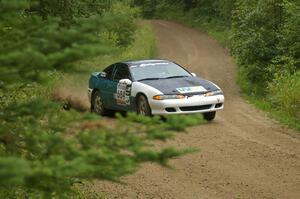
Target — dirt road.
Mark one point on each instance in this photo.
(244, 154)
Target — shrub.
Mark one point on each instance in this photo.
(285, 93)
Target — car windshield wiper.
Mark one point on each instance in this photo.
(177, 76)
(151, 78)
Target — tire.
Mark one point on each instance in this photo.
(209, 116)
(143, 107)
(97, 104)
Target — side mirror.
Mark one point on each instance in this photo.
(194, 74)
(127, 82)
(102, 74)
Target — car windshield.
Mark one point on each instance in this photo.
(157, 70)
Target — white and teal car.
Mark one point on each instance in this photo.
(153, 87)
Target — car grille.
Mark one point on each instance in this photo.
(195, 108)
(170, 109)
(219, 105)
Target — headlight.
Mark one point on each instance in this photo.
(212, 93)
(165, 97)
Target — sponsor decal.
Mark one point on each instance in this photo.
(153, 64)
(194, 89)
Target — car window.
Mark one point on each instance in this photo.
(109, 71)
(121, 72)
(157, 70)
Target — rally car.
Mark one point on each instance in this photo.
(153, 87)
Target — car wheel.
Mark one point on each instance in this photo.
(143, 107)
(209, 116)
(97, 104)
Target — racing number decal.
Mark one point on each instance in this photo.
(123, 94)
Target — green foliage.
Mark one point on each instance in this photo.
(285, 93)
(68, 10)
(28, 51)
(148, 7)
(261, 46)
(144, 46)
(126, 26)
(180, 122)
(202, 10)
(13, 170)
(267, 52)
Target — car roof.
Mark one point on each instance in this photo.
(147, 61)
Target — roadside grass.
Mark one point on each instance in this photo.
(280, 102)
(280, 115)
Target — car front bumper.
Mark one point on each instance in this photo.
(189, 105)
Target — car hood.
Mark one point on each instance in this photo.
(185, 85)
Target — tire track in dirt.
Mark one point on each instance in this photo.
(244, 153)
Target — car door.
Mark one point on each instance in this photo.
(120, 92)
(107, 85)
